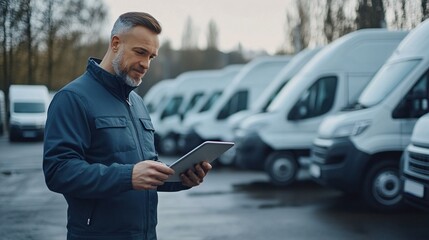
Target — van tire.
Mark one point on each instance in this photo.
(382, 186)
(282, 168)
(13, 137)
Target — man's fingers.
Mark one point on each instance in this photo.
(161, 167)
(200, 171)
(150, 174)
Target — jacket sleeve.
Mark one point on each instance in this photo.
(172, 187)
(67, 138)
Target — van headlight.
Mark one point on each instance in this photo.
(14, 122)
(256, 127)
(352, 129)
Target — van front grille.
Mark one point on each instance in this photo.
(418, 164)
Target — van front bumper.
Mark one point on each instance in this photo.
(251, 151)
(414, 176)
(420, 199)
(26, 131)
(339, 165)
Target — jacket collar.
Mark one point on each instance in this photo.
(115, 84)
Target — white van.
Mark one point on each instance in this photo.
(157, 94)
(188, 90)
(241, 94)
(2, 113)
(358, 150)
(264, 100)
(279, 140)
(28, 111)
(415, 165)
(208, 100)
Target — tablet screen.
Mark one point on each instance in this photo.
(207, 151)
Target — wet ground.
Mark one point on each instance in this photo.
(231, 204)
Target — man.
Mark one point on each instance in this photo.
(99, 146)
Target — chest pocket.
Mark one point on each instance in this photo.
(113, 134)
(148, 136)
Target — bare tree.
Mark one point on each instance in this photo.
(189, 36)
(4, 17)
(370, 14)
(73, 23)
(51, 32)
(212, 35)
(425, 9)
(296, 25)
(29, 39)
(329, 22)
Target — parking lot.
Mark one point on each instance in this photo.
(231, 204)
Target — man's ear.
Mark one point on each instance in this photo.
(114, 44)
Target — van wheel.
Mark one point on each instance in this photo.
(13, 137)
(282, 167)
(168, 145)
(382, 186)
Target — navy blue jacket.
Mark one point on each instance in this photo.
(97, 129)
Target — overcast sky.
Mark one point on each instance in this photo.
(256, 24)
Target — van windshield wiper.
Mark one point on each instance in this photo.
(353, 107)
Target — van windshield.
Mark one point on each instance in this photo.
(274, 95)
(209, 103)
(172, 107)
(29, 107)
(385, 80)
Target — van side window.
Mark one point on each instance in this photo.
(29, 107)
(416, 103)
(274, 95)
(209, 103)
(172, 107)
(316, 100)
(236, 103)
(193, 101)
(151, 107)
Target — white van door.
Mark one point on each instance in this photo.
(413, 105)
(312, 106)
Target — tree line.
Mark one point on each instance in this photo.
(49, 41)
(311, 23)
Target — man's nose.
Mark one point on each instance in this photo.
(145, 63)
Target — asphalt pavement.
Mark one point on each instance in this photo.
(231, 204)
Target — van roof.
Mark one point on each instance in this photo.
(362, 49)
(415, 43)
(26, 92)
(257, 63)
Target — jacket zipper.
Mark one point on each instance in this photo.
(142, 154)
(91, 212)
(134, 126)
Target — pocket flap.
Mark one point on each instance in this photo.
(110, 122)
(147, 124)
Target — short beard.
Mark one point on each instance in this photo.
(116, 63)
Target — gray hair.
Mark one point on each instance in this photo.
(132, 19)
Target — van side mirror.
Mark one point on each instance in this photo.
(297, 112)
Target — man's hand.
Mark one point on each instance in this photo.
(193, 178)
(148, 174)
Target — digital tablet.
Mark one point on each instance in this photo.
(207, 151)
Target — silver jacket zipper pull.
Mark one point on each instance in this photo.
(128, 101)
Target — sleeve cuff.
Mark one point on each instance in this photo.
(126, 176)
